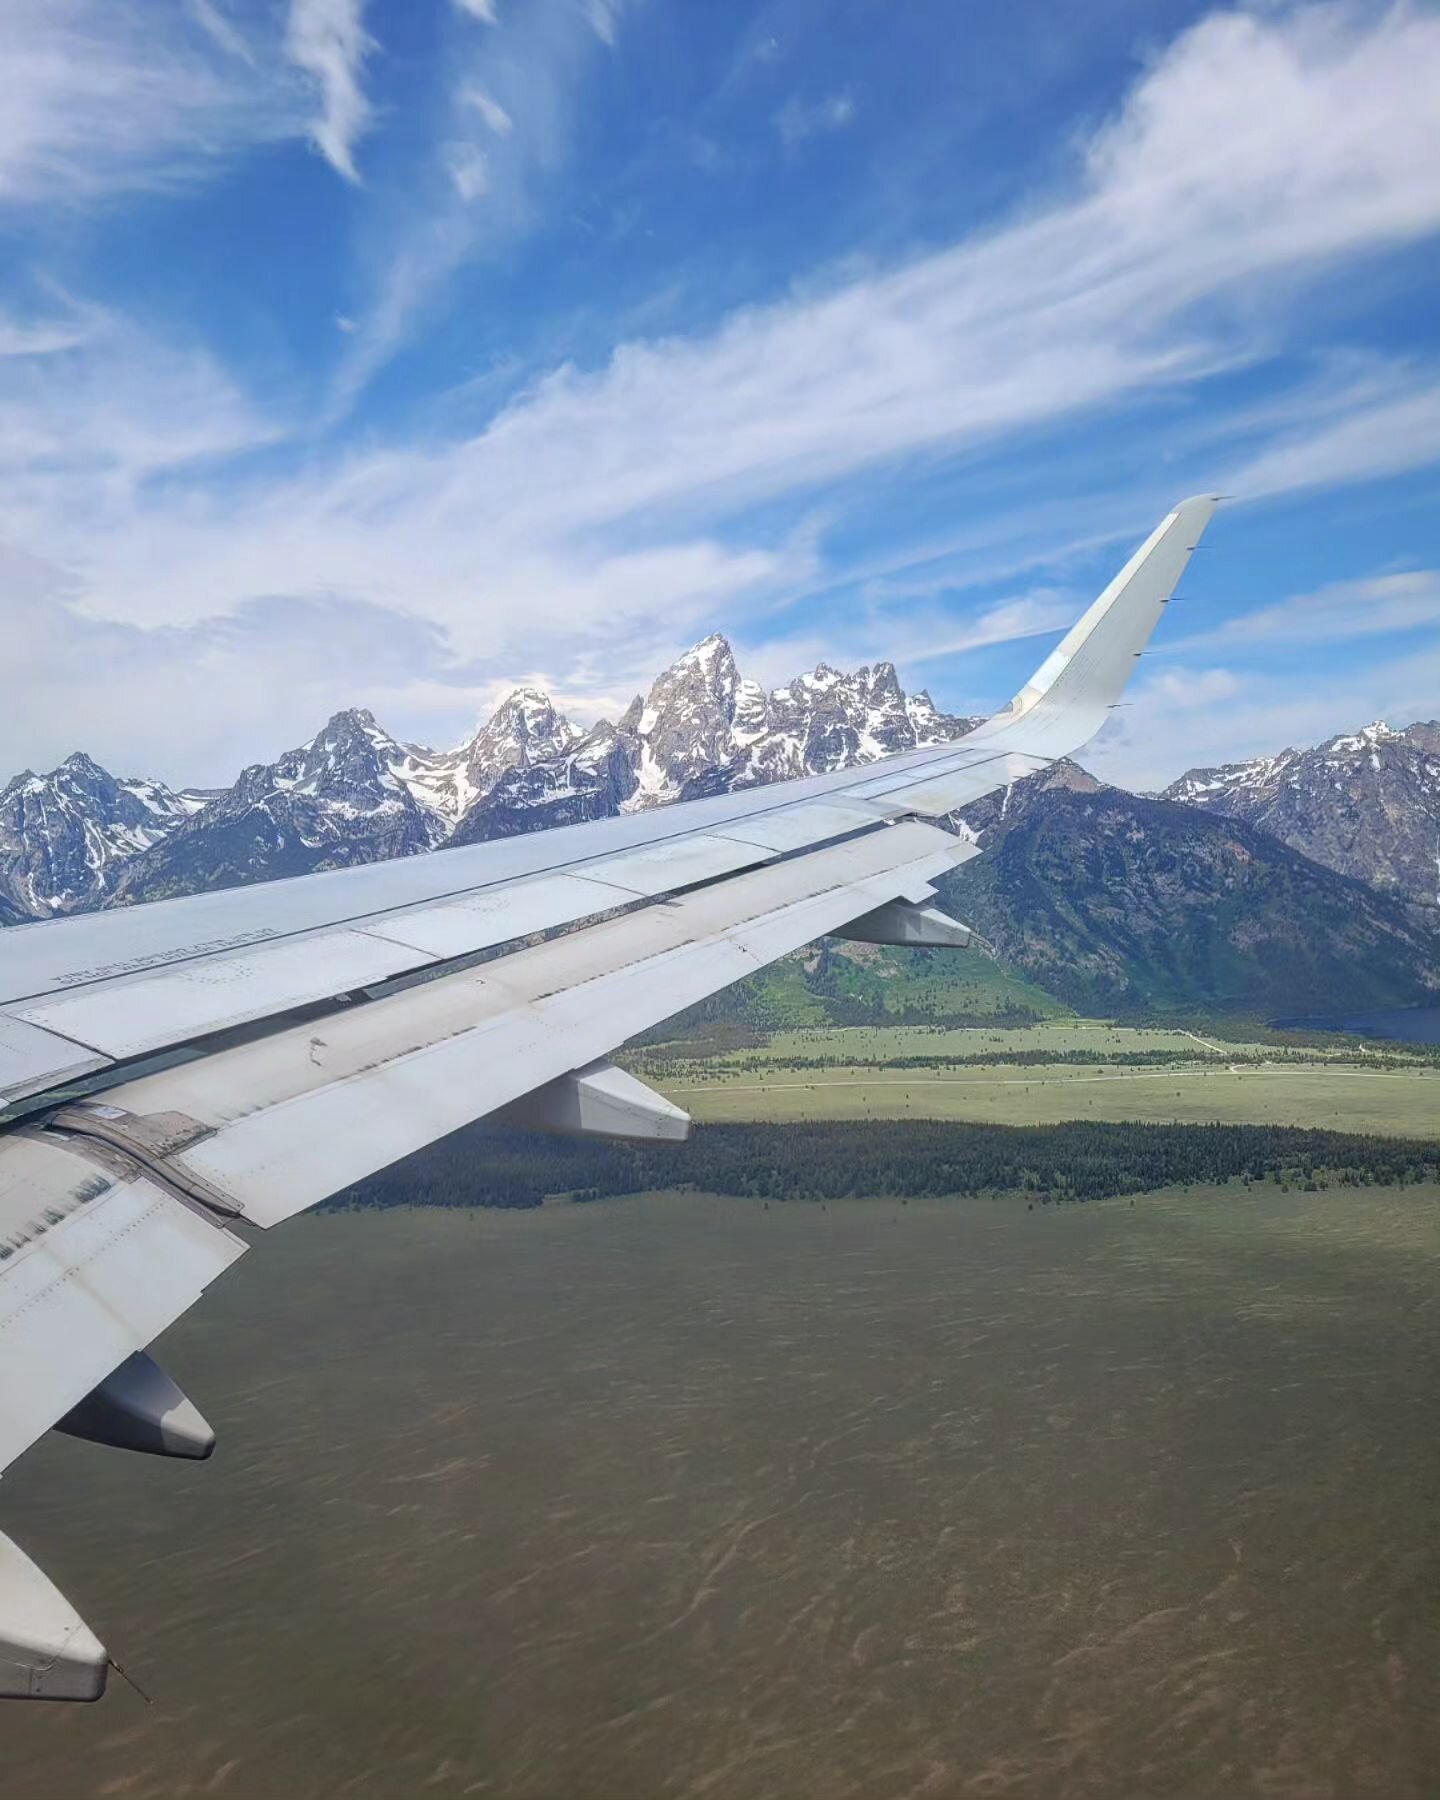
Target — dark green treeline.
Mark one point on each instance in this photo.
(1075, 1161)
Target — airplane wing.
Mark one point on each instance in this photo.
(175, 1073)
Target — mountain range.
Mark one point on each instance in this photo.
(1126, 903)
(1366, 803)
(1277, 882)
(78, 838)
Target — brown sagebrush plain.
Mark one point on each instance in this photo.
(680, 1496)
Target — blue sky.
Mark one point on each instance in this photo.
(389, 352)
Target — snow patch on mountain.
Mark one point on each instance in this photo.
(1366, 802)
(355, 793)
(65, 836)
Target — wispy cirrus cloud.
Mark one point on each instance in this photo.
(798, 118)
(92, 404)
(104, 96)
(328, 42)
(1371, 606)
(605, 515)
(489, 109)
(505, 112)
(915, 640)
(1378, 435)
(46, 337)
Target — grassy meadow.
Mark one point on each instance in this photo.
(1158, 1074)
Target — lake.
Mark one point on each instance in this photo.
(1412, 1025)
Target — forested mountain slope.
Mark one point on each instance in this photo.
(1115, 902)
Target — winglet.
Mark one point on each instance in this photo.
(1067, 699)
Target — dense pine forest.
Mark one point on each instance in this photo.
(1079, 1160)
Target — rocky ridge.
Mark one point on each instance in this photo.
(78, 838)
(66, 836)
(1365, 803)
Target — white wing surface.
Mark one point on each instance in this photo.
(171, 1072)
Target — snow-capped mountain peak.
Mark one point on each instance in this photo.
(354, 793)
(524, 728)
(1369, 737)
(65, 836)
(1364, 802)
(686, 723)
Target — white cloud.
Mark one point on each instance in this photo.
(489, 109)
(604, 16)
(1178, 722)
(510, 102)
(913, 639)
(599, 519)
(328, 41)
(211, 18)
(101, 96)
(484, 10)
(798, 119)
(288, 666)
(469, 171)
(42, 339)
(103, 411)
(1367, 441)
(1180, 690)
(1094, 299)
(1373, 606)
(1032, 615)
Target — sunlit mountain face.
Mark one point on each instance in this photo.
(78, 838)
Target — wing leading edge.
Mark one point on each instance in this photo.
(312, 1058)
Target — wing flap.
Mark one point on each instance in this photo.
(97, 1261)
(127, 1018)
(32, 1058)
(454, 928)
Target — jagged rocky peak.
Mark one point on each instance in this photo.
(523, 731)
(593, 779)
(65, 835)
(525, 728)
(350, 754)
(704, 729)
(685, 725)
(1424, 735)
(702, 684)
(713, 661)
(354, 793)
(343, 797)
(829, 719)
(351, 764)
(1368, 737)
(924, 715)
(1366, 802)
